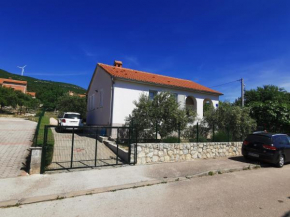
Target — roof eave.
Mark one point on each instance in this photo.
(164, 85)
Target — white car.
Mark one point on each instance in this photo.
(70, 119)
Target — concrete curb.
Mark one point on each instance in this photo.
(37, 199)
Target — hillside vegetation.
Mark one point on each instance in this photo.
(47, 92)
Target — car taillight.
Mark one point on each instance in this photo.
(63, 120)
(269, 147)
(245, 142)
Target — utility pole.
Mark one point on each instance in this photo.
(242, 92)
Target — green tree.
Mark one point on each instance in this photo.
(10, 97)
(162, 112)
(231, 118)
(69, 103)
(270, 107)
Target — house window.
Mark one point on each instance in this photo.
(152, 94)
(101, 97)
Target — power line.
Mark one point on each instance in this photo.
(225, 83)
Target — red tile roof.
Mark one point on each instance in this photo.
(147, 77)
(31, 93)
(2, 80)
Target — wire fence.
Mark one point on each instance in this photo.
(67, 148)
(199, 132)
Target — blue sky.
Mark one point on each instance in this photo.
(209, 42)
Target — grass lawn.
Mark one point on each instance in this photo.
(50, 137)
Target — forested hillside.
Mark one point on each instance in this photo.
(46, 91)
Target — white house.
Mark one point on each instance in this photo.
(113, 89)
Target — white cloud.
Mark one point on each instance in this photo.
(130, 60)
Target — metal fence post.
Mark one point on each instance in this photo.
(44, 146)
(197, 132)
(135, 151)
(72, 148)
(129, 152)
(117, 145)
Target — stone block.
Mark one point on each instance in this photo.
(185, 151)
(141, 154)
(166, 158)
(150, 154)
(188, 157)
(146, 150)
(194, 154)
(155, 158)
(148, 159)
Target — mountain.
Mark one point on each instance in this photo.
(37, 85)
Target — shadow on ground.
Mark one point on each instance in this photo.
(287, 214)
(250, 161)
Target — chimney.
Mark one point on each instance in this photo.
(118, 63)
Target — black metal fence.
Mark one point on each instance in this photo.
(66, 148)
(193, 133)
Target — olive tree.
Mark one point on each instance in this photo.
(228, 117)
(162, 113)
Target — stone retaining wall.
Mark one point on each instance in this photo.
(175, 152)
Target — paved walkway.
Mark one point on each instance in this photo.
(83, 182)
(15, 138)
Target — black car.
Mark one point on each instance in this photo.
(267, 147)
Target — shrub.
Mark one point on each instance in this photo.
(222, 136)
(171, 139)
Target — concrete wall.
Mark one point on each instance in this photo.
(99, 114)
(20, 87)
(175, 152)
(127, 92)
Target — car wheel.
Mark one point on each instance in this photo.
(281, 161)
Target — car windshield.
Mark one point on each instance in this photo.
(72, 116)
(259, 138)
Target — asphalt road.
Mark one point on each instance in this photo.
(261, 192)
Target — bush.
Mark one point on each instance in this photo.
(170, 139)
(222, 136)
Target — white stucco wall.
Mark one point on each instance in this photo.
(126, 92)
(100, 115)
